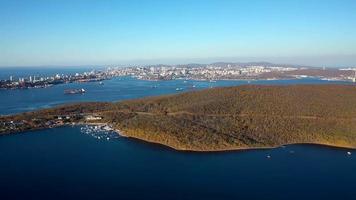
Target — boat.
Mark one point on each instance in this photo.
(101, 83)
(349, 153)
(107, 128)
(74, 91)
(179, 89)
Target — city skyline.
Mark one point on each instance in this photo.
(40, 33)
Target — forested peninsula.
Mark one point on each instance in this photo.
(217, 119)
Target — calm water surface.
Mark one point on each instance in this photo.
(64, 163)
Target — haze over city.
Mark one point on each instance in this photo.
(67, 33)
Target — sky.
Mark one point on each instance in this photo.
(103, 32)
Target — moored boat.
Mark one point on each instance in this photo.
(74, 91)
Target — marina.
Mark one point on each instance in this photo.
(100, 132)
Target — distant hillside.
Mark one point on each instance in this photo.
(232, 117)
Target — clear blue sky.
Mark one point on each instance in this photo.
(50, 32)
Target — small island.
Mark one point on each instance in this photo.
(217, 119)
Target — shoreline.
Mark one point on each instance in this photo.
(232, 149)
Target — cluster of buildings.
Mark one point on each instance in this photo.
(232, 71)
(215, 71)
(45, 122)
(198, 72)
(41, 82)
(353, 78)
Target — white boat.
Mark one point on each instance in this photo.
(107, 128)
(349, 153)
(74, 91)
(179, 89)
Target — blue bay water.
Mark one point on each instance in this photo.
(116, 89)
(64, 163)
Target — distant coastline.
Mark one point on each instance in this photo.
(201, 72)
